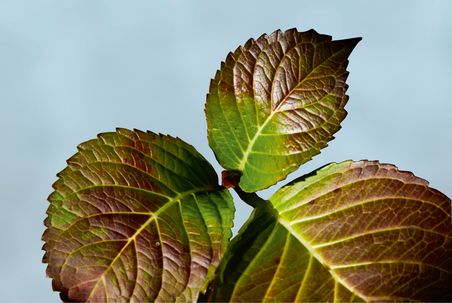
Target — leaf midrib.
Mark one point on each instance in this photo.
(313, 253)
(153, 216)
(250, 147)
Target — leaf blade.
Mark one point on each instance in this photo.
(135, 216)
(332, 247)
(276, 102)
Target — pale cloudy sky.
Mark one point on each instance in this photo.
(71, 69)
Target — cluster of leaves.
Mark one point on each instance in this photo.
(138, 216)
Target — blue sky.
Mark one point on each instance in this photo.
(71, 69)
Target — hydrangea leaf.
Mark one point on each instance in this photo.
(136, 216)
(275, 102)
(353, 231)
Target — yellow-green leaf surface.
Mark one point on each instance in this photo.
(275, 102)
(135, 217)
(353, 231)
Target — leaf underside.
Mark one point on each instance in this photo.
(135, 217)
(275, 102)
(353, 231)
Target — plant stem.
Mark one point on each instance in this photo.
(255, 201)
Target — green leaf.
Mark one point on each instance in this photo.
(275, 102)
(351, 231)
(136, 217)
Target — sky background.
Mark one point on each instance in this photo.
(72, 69)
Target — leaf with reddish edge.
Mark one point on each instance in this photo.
(136, 217)
(275, 102)
(352, 231)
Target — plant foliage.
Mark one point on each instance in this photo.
(138, 216)
(276, 102)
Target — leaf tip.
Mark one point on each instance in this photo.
(352, 42)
